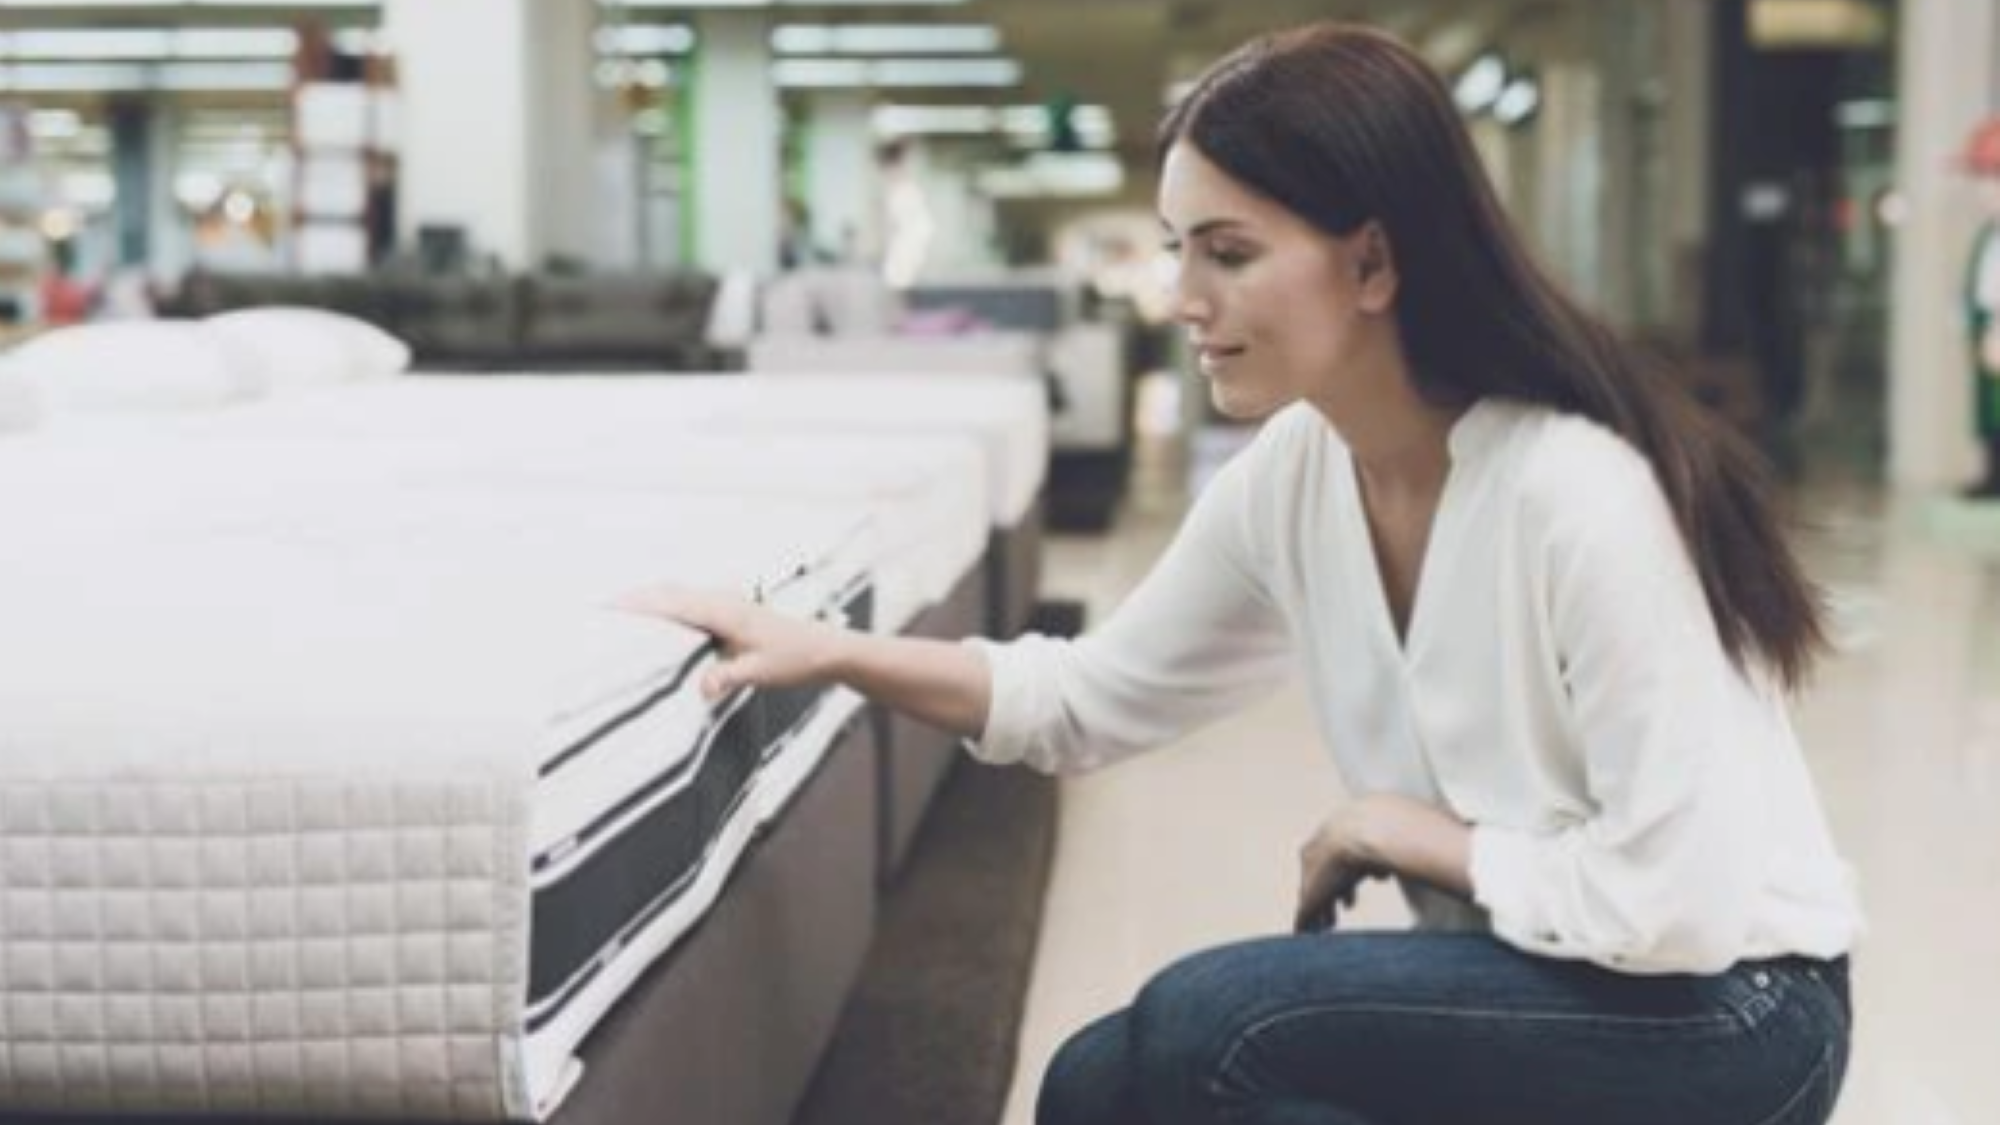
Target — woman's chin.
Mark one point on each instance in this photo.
(1238, 405)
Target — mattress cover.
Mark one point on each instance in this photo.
(1007, 419)
(924, 495)
(1008, 416)
(283, 810)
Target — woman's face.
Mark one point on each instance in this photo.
(1275, 308)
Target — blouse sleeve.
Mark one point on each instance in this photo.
(1198, 638)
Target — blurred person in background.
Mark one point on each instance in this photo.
(64, 298)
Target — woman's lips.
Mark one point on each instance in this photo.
(1214, 357)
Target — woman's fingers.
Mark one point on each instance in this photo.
(756, 646)
(1315, 924)
(708, 613)
(659, 601)
(1316, 895)
(1327, 886)
(1317, 914)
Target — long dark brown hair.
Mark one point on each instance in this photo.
(1343, 125)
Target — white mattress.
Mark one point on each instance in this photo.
(1006, 418)
(20, 402)
(274, 784)
(925, 495)
(280, 686)
(66, 488)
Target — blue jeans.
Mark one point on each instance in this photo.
(1455, 1029)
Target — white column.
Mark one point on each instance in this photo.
(964, 219)
(565, 118)
(1567, 177)
(1950, 78)
(617, 172)
(1615, 260)
(1690, 47)
(843, 190)
(734, 154)
(496, 122)
(170, 248)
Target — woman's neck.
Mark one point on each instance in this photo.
(1400, 440)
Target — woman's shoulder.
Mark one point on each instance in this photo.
(1295, 425)
(1282, 439)
(1561, 461)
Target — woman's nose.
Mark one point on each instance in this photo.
(1183, 304)
(1188, 305)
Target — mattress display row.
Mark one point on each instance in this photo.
(401, 807)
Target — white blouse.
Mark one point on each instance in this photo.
(1635, 800)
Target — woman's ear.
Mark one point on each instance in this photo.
(1375, 275)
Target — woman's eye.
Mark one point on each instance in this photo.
(1229, 258)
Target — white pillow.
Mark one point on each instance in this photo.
(20, 407)
(135, 367)
(302, 349)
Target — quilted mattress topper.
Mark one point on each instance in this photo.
(270, 784)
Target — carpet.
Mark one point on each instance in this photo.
(930, 1035)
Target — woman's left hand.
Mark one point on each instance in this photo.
(1333, 864)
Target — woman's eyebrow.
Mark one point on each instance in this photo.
(1206, 226)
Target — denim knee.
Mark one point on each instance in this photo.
(1181, 1036)
(1091, 1081)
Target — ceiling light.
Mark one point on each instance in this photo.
(641, 5)
(885, 39)
(235, 43)
(934, 120)
(1028, 123)
(58, 45)
(198, 191)
(1054, 174)
(646, 39)
(54, 124)
(1817, 24)
(360, 41)
(1865, 113)
(148, 44)
(1481, 84)
(129, 77)
(813, 74)
(1519, 101)
(102, 5)
(654, 5)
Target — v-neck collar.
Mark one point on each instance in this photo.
(1463, 443)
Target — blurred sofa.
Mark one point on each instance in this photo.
(589, 322)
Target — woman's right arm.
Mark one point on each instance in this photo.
(942, 683)
(1198, 638)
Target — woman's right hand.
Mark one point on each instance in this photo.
(760, 646)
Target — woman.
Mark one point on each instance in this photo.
(1548, 621)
